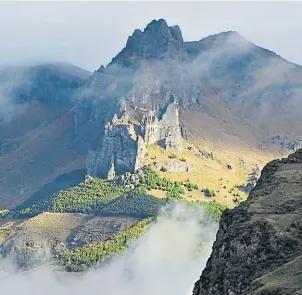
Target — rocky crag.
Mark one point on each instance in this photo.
(258, 248)
(158, 73)
(122, 148)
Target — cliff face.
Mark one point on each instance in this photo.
(122, 148)
(157, 73)
(165, 131)
(258, 248)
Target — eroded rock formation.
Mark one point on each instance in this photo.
(121, 151)
(123, 146)
(165, 131)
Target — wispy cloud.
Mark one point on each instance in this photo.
(166, 260)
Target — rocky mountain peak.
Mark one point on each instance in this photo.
(159, 28)
(158, 40)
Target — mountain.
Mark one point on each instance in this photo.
(37, 142)
(217, 108)
(222, 83)
(217, 88)
(258, 244)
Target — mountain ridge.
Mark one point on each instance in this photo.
(258, 244)
(226, 101)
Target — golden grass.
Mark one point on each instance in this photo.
(212, 174)
(55, 221)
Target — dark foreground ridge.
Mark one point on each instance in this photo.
(258, 245)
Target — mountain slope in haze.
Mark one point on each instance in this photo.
(258, 248)
(37, 142)
(221, 94)
(221, 104)
(223, 83)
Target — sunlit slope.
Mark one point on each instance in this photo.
(221, 169)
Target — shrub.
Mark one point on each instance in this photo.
(214, 209)
(152, 180)
(172, 156)
(209, 192)
(163, 169)
(140, 191)
(4, 213)
(83, 198)
(80, 258)
(190, 186)
(93, 197)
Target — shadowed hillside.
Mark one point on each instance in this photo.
(258, 244)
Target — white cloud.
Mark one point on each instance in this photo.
(163, 261)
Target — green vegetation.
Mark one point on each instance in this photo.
(84, 198)
(209, 192)
(183, 159)
(4, 213)
(87, 198)
(134, 205)
(107, 197)
(206, 154)
(214, 209)
(102, 195)
(80, 258)
(150, 179)
(190, 186)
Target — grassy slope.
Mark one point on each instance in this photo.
(212, 174)
(101, 198)
(79, 258)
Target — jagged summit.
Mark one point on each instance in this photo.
(161, 28)
(158, 40)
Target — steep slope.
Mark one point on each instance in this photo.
(37, 142)
(223, 85)
(227, 78)
(258, 247)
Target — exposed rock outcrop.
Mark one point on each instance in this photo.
(165, 131)
(123, 146)
(284, 143)
(178, 166)
(158, 40)
(121, 151)
(157, 65)
(258, 248)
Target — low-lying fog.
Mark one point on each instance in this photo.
(166, 260)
